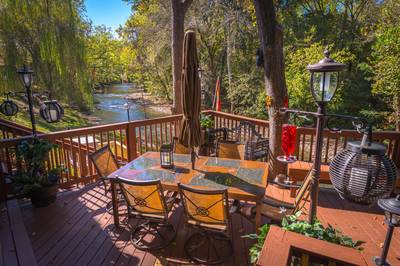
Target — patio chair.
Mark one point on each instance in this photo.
(276, 209)
(256, 147)
(146, 200)
(105, 164)
(179, 148)
(208, 212)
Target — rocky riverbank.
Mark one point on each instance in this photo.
(150, 101)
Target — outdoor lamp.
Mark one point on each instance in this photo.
(325, 78)
(167, 156)
(362, 173)
(26, 76)
(51, 111)
(8, 107)
(392, 213)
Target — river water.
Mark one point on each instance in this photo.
(110, 106)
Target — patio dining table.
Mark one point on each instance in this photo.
(244, 180)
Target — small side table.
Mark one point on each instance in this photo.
(284, 180)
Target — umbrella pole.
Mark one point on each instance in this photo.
(193, 156)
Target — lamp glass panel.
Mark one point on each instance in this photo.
(27, 79)
(324, 85)
(392, 218)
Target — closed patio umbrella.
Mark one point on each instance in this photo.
(190, 135)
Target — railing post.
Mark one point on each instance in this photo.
(131, 141)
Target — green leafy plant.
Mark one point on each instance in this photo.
(294, 224)
(206, 121)
(34, 174)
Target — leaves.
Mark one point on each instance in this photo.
(294, 224)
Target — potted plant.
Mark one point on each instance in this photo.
(34, 179)
(206, 123)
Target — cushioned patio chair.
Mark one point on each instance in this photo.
(276, 209)
(256, 147)
(146, 200)
(105, 164)
(208, 212)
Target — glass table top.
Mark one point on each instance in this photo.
(214, 161)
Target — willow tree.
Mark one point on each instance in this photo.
(271, 39)
(49, 36)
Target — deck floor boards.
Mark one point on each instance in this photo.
(77, 230)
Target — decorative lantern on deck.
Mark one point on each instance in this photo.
(362, 173)
(392, 214)
(167, 156)
(8, 107)
(51, 111)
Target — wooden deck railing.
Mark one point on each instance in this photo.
(130, 139)
(305, 143)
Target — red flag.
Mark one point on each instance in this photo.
(217, 96)
(286, 102)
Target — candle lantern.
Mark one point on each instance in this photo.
(362, 173)
(8, 107)
(167, 156)
(51, 111)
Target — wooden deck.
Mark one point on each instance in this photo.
(76, 230)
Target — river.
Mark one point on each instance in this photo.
(110, 105)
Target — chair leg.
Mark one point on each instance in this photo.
(153, 235)
(209, 248)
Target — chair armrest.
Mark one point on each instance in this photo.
(278, 204)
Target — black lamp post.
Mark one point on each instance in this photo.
(324, 82)
(392, 213)
(51, 110)
(362, 173)
(27, 78)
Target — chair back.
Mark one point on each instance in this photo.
(245, 131)
(145, 197)
(303, 192)
(179, 148)
(231, 150)
(104, 161)
(205, 206)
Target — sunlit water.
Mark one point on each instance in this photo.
(109, 107)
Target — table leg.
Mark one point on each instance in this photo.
(258, 215)
(114, 195)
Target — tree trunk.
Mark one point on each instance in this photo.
(178, 10)
(271, 38)
(397, 111)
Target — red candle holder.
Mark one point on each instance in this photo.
(288, 140)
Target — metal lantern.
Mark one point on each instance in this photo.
(325, 78)
(392, 213)
(26, 76)
(8, 107)
(362, 173)
(51, 111)
(167, 156)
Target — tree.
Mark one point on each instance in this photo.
(178, 11)
(386, 58)
(271, 39)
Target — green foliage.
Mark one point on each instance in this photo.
(206, 121)
(294, 224)
(48, 35)
(34, 175)
(385, 60)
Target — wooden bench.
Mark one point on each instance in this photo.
(298, 171)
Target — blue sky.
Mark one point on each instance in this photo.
(110, 13)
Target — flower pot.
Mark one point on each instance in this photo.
(44, 196)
